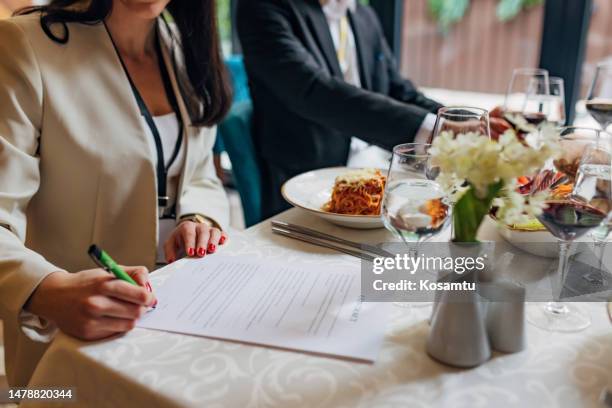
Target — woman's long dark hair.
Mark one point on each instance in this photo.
(197, 24)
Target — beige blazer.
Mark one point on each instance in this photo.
(75, 167)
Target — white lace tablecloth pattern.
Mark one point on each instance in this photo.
(158, 369)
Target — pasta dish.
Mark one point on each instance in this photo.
(357, 192)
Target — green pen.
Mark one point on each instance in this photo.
(104, 261)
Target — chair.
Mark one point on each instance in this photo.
(236, 134)
(235, 66)
(235, 138)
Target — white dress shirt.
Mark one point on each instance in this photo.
(361, 153)
(168, 127)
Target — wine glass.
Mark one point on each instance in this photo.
(599, 97)
(567, 217)
(594, 186)
(557, 101)
(461, 119)
(414, 205)
(575, 141)
(528, 95)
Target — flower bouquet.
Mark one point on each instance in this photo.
(482, 173)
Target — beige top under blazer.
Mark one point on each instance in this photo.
(75, 167)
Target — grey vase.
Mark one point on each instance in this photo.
(458, 332)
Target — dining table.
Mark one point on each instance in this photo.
(160, 369)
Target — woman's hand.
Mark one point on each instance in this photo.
(92, 304)
(194, 239)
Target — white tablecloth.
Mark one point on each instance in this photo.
(157, 369)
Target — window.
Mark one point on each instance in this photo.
(599, 41)
(598, 48)
(470, 51)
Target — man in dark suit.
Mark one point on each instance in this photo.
(320, 73)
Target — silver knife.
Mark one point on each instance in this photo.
(319, 242)
(331, 238)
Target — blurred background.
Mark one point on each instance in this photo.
(464, 51)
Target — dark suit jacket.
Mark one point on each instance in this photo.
(304, 111)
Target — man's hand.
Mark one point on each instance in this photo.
(498, 123)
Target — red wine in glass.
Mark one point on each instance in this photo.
(570, 219)
(533, 118)
(599, 97)
(601, 110)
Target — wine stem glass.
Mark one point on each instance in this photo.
(600, 235)
(560, 308)
(414, 207)
(555, 315)
(413, 252)
(461, 119)
(528, 94)
(603, 149)
(599, 96)
(586, 162)
(557, 97)
(599, 280)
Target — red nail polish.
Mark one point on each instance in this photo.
(222, 240)
(148, 286)
(154, 304)
(201, 252)
(211, 248)
(191, 252)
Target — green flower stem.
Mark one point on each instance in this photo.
(470, 210)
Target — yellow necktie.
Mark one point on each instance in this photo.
(343, 43)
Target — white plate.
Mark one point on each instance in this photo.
(310, 191)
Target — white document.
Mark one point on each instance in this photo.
(301, 307)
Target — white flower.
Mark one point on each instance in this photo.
(515, 208)
(482, 162)
(520, 122)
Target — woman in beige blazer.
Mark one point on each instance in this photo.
(80, 82)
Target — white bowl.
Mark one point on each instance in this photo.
(538, 243)
(310, 191)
